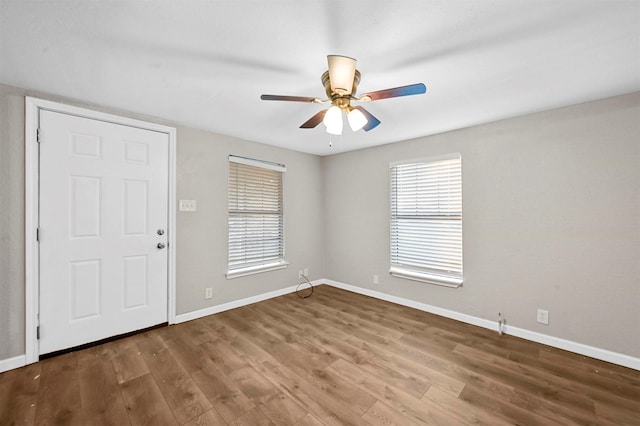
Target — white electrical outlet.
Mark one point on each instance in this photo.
(208, 293)
(376, 279)
(543, 316)
(300, 272)
(306, 272)
(187, 205)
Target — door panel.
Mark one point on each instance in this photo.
(85, 283)
(103, 195)
(136, 200)
(135, 281)
(85, 208)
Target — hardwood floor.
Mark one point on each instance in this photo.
(335, 358)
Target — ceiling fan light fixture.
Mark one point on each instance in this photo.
(342, 70)
(356, 119)
(333, 120)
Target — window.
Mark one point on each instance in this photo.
(256, 222)
(426, 220)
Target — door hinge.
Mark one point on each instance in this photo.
(39, 135)
(38, 234)
(38, 332)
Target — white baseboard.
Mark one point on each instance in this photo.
(238, 303)
(568, 345)
(11, 363)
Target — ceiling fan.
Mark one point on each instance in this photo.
(340, 83)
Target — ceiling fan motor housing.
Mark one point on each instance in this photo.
(340, 100)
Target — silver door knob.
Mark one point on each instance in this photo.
(161, 245)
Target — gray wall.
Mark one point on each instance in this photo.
(551, 205)
(11, 224)
(202, 239)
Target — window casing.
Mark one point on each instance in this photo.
(255, 217)
(426, 220)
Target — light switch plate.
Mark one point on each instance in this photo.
(187, 205)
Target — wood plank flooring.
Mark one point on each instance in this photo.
(336, 358)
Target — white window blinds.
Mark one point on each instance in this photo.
(256, 222)
(426, 220)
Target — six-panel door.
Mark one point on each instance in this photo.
(103, 223)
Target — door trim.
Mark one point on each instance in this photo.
(32, 197)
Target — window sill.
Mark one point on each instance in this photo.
(242, 272)
(443, 280)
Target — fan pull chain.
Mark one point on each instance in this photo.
(331, 141)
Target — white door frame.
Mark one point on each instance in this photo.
(32, 196)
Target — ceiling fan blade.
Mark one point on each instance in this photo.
(314, 121)
(286, 98)
(372, 122)
(412, 89)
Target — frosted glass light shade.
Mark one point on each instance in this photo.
(334, 130)
(342, 70)
(356, 119)
(333, 120)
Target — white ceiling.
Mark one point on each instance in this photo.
(205, 64)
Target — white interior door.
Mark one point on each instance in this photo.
(103, 229)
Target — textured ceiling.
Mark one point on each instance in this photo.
(204, 64)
